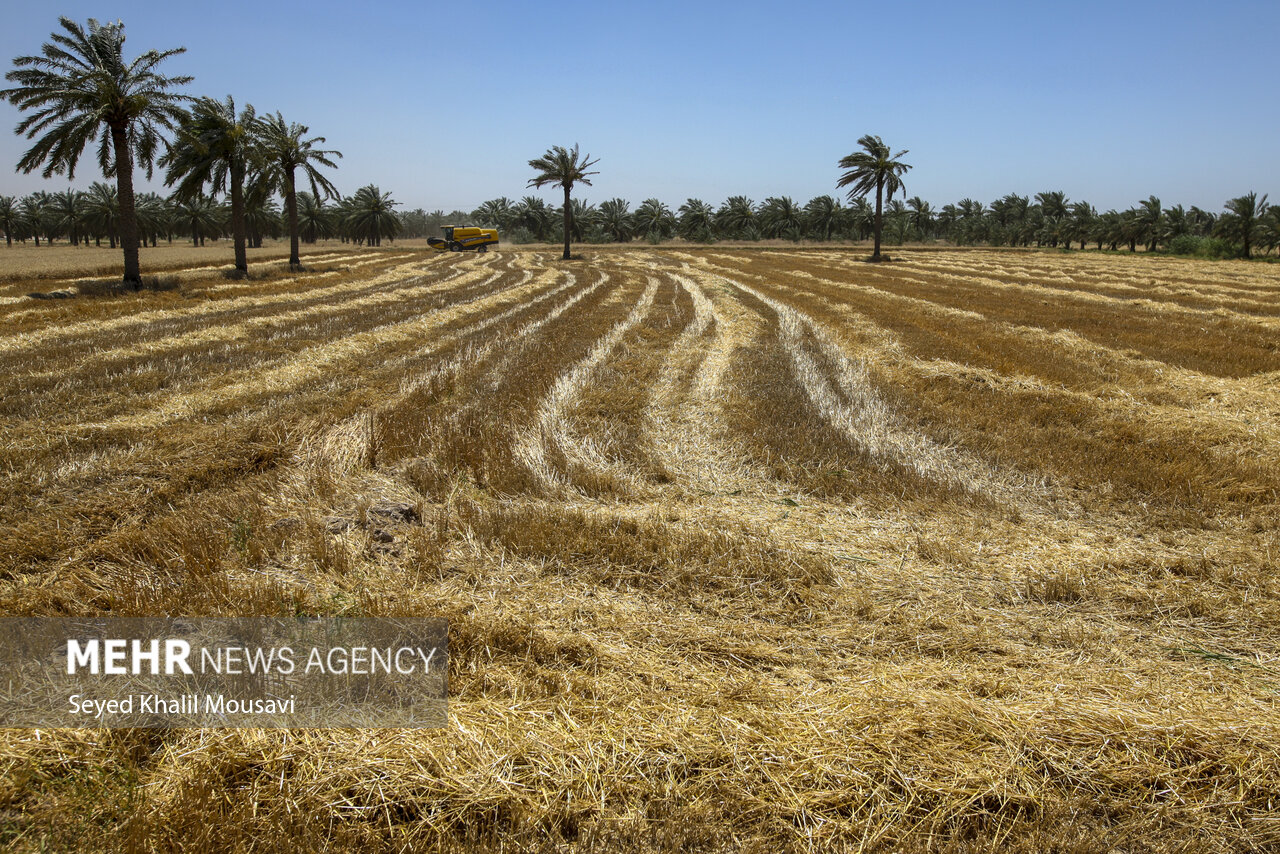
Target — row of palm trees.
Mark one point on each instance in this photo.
(92, 217)
(368, 216)
(80, 89)
(1247, 223)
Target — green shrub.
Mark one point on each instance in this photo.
(1203, 247)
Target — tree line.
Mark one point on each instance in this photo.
(92, 218)
(1049, 219)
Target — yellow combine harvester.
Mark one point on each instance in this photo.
(459, 239)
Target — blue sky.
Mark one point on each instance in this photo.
(444, 104)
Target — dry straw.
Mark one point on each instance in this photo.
(762, 550)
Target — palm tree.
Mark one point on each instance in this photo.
(1053, 208)
(370, 216)
(781, 217)
(102, 212)
(152, 212)
(67, 212)
(1271, 228)
(81, 88)
(737, 218)
(565, 168)
(533, 215)
(1242, 223)
(215, 146)
(654, 220)
(1083, 217)
(284, 151)
(34, 211)
(899, 222)
(584, 217)
(615, 220)
(1131, 228)
(822, 217)
(1109, 229)
(315, 221)
(261, 217)
(8, 218)
(495, 213)
(873, 168)
(861, 218)
(1202, 222)
(1176, 223)
(1149, 221)
(921, 216)
(696, 221)
(201, 216)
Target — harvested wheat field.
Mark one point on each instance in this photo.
(764, 550)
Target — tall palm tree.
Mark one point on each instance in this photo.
(563, 167)
(81, 88)
(370, 217)
(284, 151)
(215, 146)
(1242, 223)
(873, 168)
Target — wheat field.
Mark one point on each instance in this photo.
(741, 549)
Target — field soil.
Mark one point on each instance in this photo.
(742, 549)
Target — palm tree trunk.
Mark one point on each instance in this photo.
(237, 217)
(128, 215)
(875, 255)
(568, 220)
(291, 203)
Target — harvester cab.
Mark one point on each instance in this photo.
(459, 239)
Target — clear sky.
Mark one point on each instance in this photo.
(445, 104)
